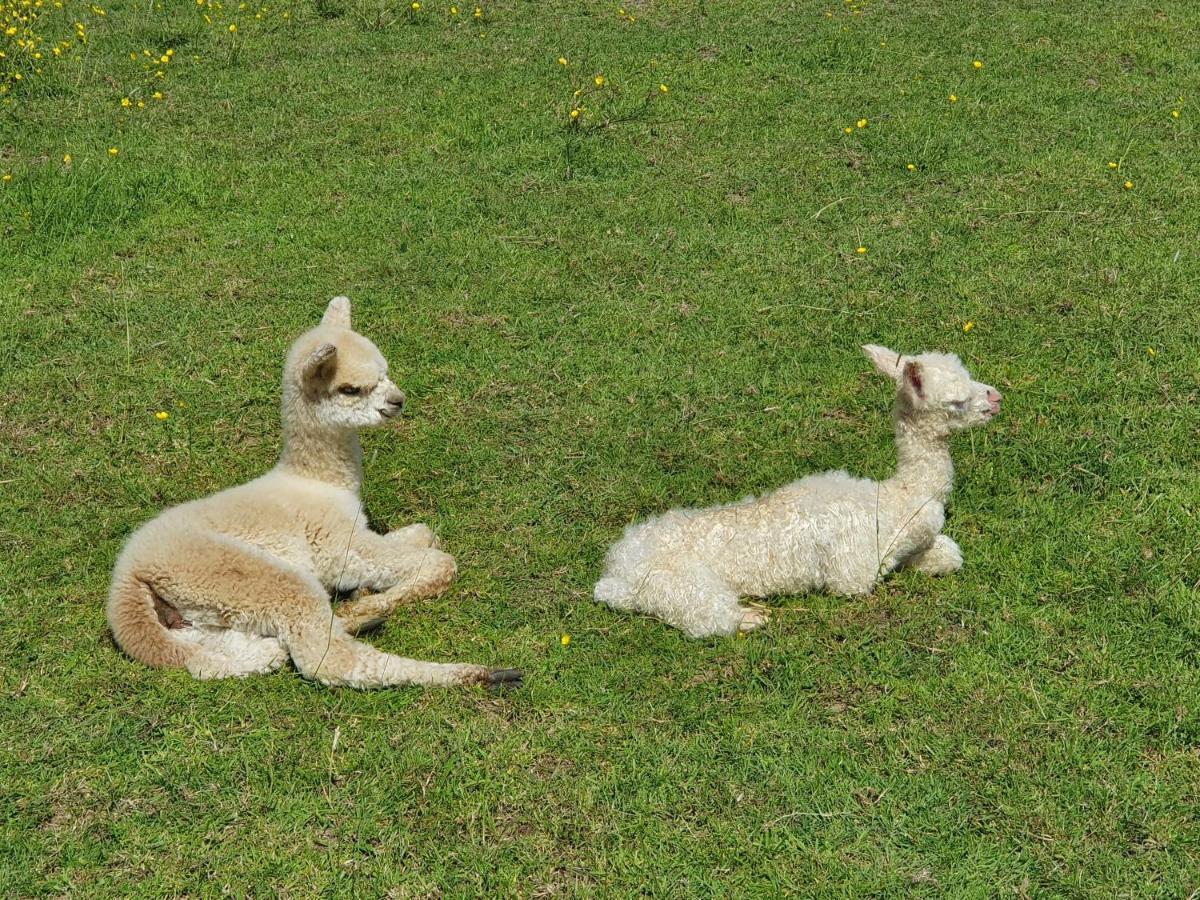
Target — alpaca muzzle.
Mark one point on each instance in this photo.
(395, 404)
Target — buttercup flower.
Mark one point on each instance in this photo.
(113, 151)
(662, 89)
(565, 640)
(162, 415)
(967, 326)
(977, 64)
(954, 98)
(600, 80)
(911, 167)
(562, 60)
(861, 250)
(861, 123)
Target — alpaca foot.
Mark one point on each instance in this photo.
(492, 679)
(415, 537)
(940, 558)
(753, 618)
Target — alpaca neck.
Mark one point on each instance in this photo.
(923, 464)
(330, 455)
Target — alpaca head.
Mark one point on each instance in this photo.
(336, 378)
(935, 389)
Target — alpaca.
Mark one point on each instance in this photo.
(234, 583)
(830, 532)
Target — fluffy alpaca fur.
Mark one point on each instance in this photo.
(828, 532)
(235, 583)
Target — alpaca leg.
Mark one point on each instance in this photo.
(324, 652)
(408, 573)
(692, 598)
(400, 575)
(368, 611)
(225, 583)
(940, 558)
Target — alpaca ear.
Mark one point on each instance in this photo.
(337, 313)
(886, 361)
(318, 366)
(913, 377)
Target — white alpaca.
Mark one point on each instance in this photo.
(830, 532)
(234, 583)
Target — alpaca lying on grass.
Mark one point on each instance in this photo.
(828, 532)
(232, 584)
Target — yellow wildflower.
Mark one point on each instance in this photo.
(1129, 185)
(954, 98)
(848, 129)
(162, 415)
(861, 250)
(1112, 165)
(478, 12)
(6, 178)
(967, 326)
(233, 27)
(157, 95)
(415, 6)
(565, 640)
(1153, 353)
(1174, 114)
(977, 64)
(599, 79)
(861, 123)
(662, 89)
(562, 60)
(125, 102)
(113, 151)
(911, 167)
(454, 10)
(574, 114)
(66, 159)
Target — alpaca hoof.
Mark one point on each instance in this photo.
(505, 679)
(753, 619)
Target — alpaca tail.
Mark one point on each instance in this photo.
(134, 615)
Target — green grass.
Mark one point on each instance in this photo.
(593, 327)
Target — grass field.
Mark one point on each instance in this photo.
(595, 322)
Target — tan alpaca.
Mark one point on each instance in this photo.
(235, 583)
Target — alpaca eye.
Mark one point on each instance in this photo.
(349, 390)
(958, 405)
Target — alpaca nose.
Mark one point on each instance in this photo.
(396, 399)
(994, 397)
